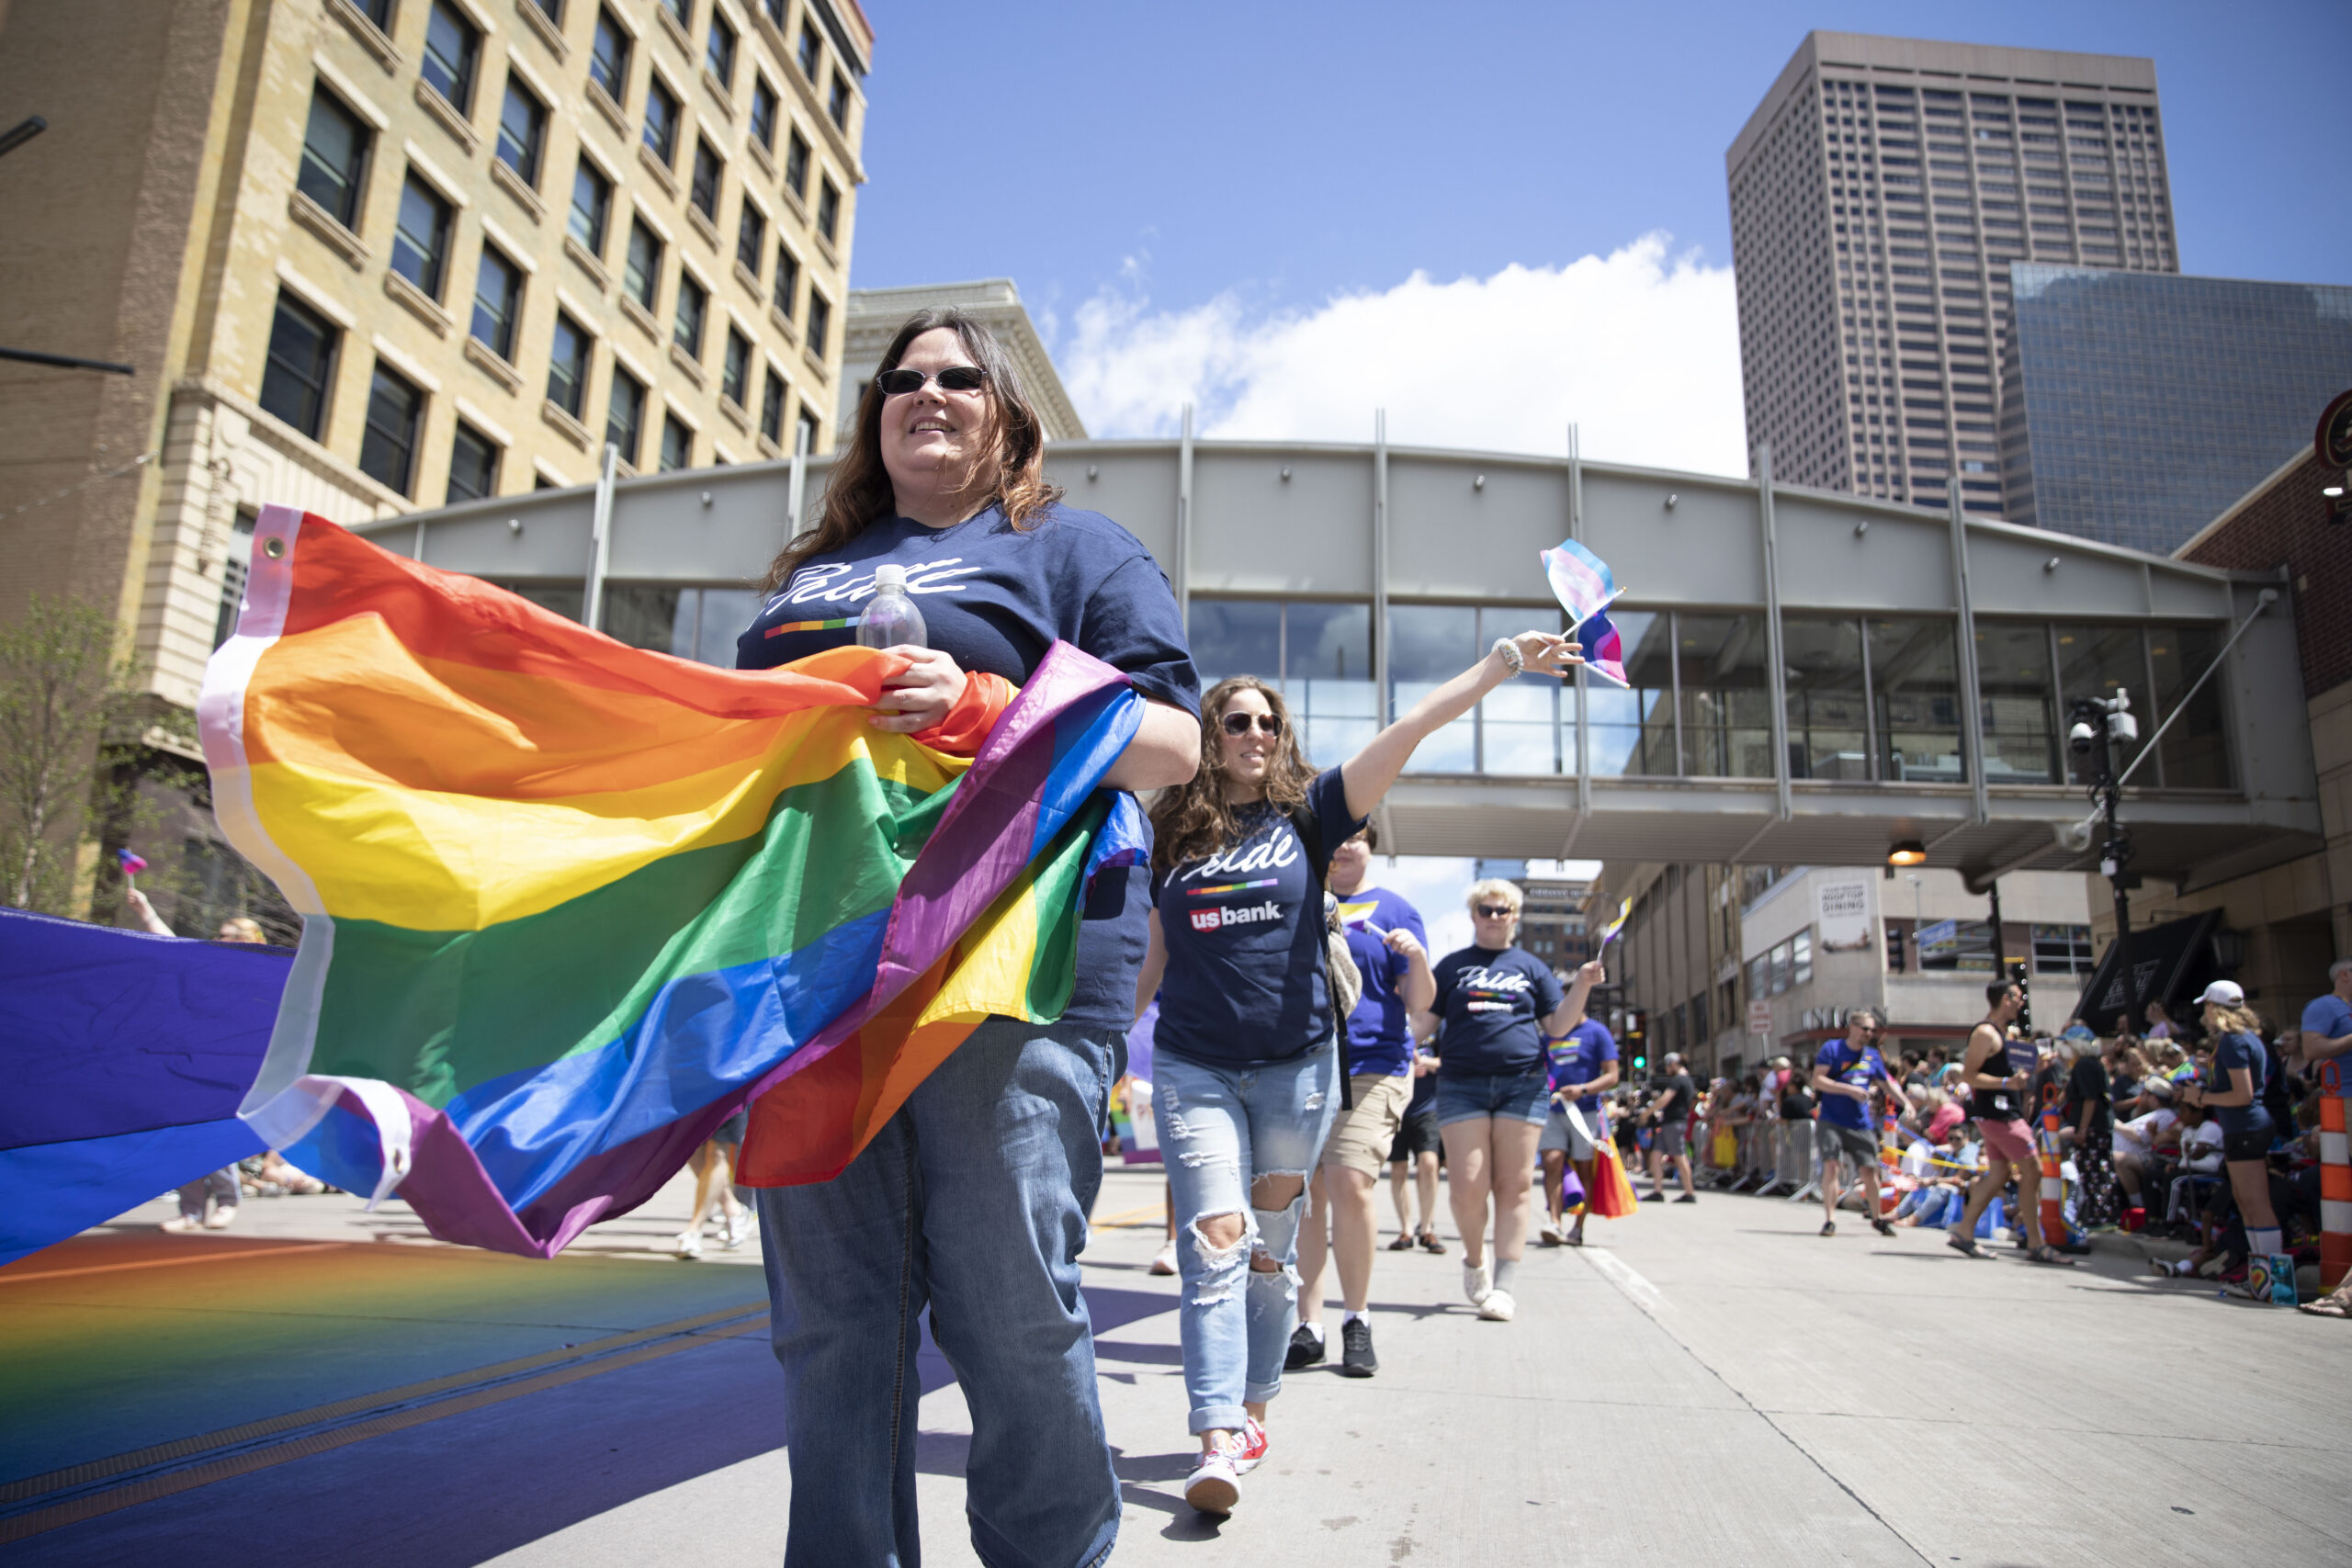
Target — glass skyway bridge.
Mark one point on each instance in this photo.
(1817, 676)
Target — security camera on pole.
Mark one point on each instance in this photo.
(2100, 723)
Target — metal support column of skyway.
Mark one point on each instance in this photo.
(1777, 684)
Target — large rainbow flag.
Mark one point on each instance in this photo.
(568, 905)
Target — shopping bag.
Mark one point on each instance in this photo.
(1612, 1195)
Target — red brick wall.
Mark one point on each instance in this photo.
(2288, 523)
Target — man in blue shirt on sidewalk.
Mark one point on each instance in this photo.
(1844, 1074)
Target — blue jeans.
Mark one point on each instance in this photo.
(972, 1200)
(1220, 1130)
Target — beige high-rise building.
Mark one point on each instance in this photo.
(371, 256)
(1878, 194)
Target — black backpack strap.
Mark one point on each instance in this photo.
(1309, 829)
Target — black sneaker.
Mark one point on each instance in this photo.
(1356, 1359)
(1688, 1198)
(1306, 1348)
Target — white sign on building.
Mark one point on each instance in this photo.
(1845, 914)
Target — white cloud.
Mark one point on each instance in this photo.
(1639, 348)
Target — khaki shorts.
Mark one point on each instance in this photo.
(1361, 1137)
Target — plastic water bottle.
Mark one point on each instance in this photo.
(890, 618)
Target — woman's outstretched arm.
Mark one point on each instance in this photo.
(1370, 771)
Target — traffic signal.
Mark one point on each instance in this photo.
(1640, 1062)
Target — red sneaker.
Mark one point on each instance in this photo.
(1250, 1448)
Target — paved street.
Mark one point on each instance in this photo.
(1708, 1385)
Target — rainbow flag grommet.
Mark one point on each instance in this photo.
(568, 905)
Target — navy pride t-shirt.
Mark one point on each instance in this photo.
(994, 598)
(1244, 932)
(1490, 1003)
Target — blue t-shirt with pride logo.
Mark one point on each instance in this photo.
(1860, 1068)
(1490, 1003)
(1580, 1055)
(1378, 1040)
(994, 598)
(1244, 983)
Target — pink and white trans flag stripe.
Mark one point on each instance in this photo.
(1580, 580)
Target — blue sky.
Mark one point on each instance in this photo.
(1279, 155)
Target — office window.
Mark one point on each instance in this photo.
(2013, 677)
(795, 165)
(821, 318)
(829, 210)
(452, 54)
(2061, 950)
(683, 10)
(1726, 711)
(641, 274)
(735, 368)
(473, 466)
(522, 130)
(381, 12)
(805, 429)
(788, 283)
(388, 445)
(693, 307)
(837, 101)
(704, 189)
(772, 407)
(677, 444)
(592, 208)
(301, 368)
(335, 158)
(719, 53)
(763, 107)
(568, 365)
(498, 303)
(551, 10)
(811, 51)
(608, 54)
(625, 414)
(750, 237)
(776, 9)
(661, 121)
(421, 237)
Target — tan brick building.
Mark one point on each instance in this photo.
(370, 255)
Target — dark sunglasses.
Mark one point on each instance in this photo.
(955, 379)
(1496, 911)
(1239, 723)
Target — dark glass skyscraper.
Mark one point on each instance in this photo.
(2136, 407)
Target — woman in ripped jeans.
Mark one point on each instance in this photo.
(1246, 1073)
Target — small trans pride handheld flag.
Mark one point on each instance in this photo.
(1582, 582)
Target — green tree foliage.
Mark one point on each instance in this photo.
(66, 692)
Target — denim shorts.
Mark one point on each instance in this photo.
(1524, 1097)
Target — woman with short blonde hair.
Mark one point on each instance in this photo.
(1497, 1003)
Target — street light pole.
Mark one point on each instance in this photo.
(2099, 723)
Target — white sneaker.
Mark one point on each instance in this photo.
(1476, 1282)
(689, 1244)
(1496, 1306)
(1215, 1486)
(1164, 1260)
(181, 1225)
(735, 1232)
(223, 1218)
(1550, 1234)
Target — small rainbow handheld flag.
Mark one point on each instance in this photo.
(568, 905)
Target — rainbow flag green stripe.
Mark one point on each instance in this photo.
(568, 905)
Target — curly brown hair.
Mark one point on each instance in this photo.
(1194, 819)
(859, 491)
